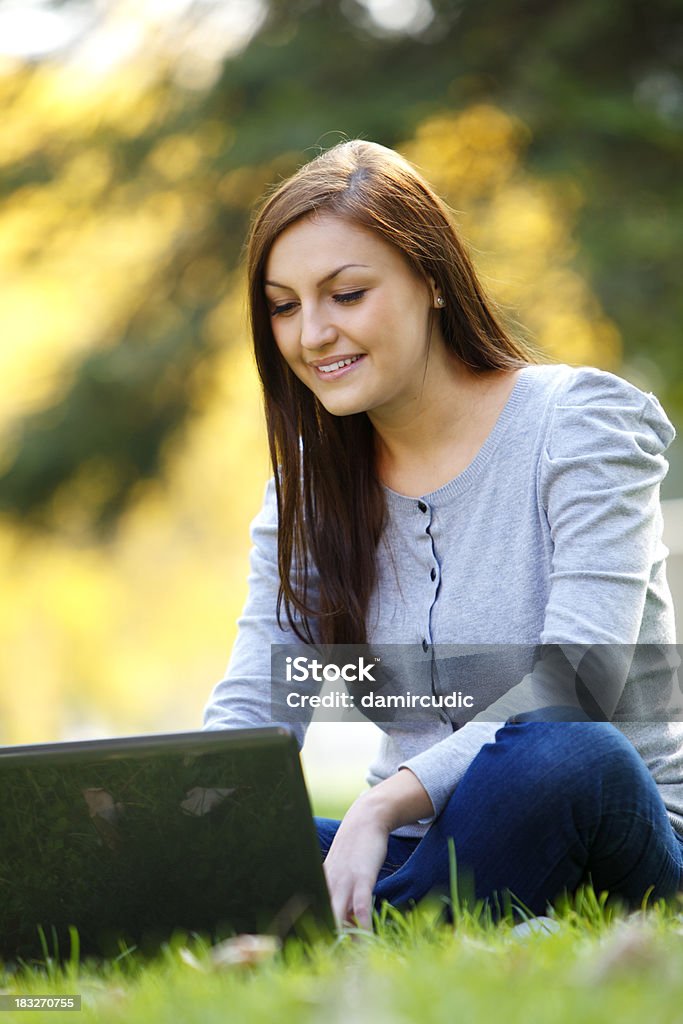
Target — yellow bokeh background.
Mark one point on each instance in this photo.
(129, 634)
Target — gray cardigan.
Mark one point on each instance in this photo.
(552, 535)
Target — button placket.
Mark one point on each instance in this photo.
(424, 508)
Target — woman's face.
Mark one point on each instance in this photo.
(349, 316)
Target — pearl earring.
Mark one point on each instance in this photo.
(440, 301)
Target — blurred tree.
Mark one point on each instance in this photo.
(144, 177)
(129, 400)
(129, 633)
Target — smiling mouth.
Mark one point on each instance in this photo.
(332, 367)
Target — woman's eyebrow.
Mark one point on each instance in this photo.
(324, 280)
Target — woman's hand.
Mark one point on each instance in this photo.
(359, 848)
(353, 863)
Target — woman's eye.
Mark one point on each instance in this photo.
(350, 296)
(283, 308)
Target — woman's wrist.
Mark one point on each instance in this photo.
(399, 800)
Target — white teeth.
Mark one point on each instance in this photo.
(335, 366)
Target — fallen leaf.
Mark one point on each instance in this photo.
(244, 950)
(239, 951)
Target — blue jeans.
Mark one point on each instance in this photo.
(543, 809)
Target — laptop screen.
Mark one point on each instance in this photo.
(131, 840)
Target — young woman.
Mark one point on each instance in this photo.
(434, 485)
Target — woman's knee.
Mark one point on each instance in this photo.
(566, 746)
(546, 762)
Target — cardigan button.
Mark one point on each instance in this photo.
(432, 575)
(425, 645)
(422, 507)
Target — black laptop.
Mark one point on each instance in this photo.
(133, 840)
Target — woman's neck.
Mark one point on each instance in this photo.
(437, 439)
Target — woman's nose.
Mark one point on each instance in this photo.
(316, 328)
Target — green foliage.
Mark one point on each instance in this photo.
(596, 83)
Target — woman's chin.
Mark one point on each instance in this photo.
(342, 408)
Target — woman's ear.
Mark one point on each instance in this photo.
(438, 301)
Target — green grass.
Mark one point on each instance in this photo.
(599, 966)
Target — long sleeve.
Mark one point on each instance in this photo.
(244, 696)
(599, 487)
(598, 481)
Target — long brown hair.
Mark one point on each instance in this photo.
(331, 506)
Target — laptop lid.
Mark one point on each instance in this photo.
(132, 839)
